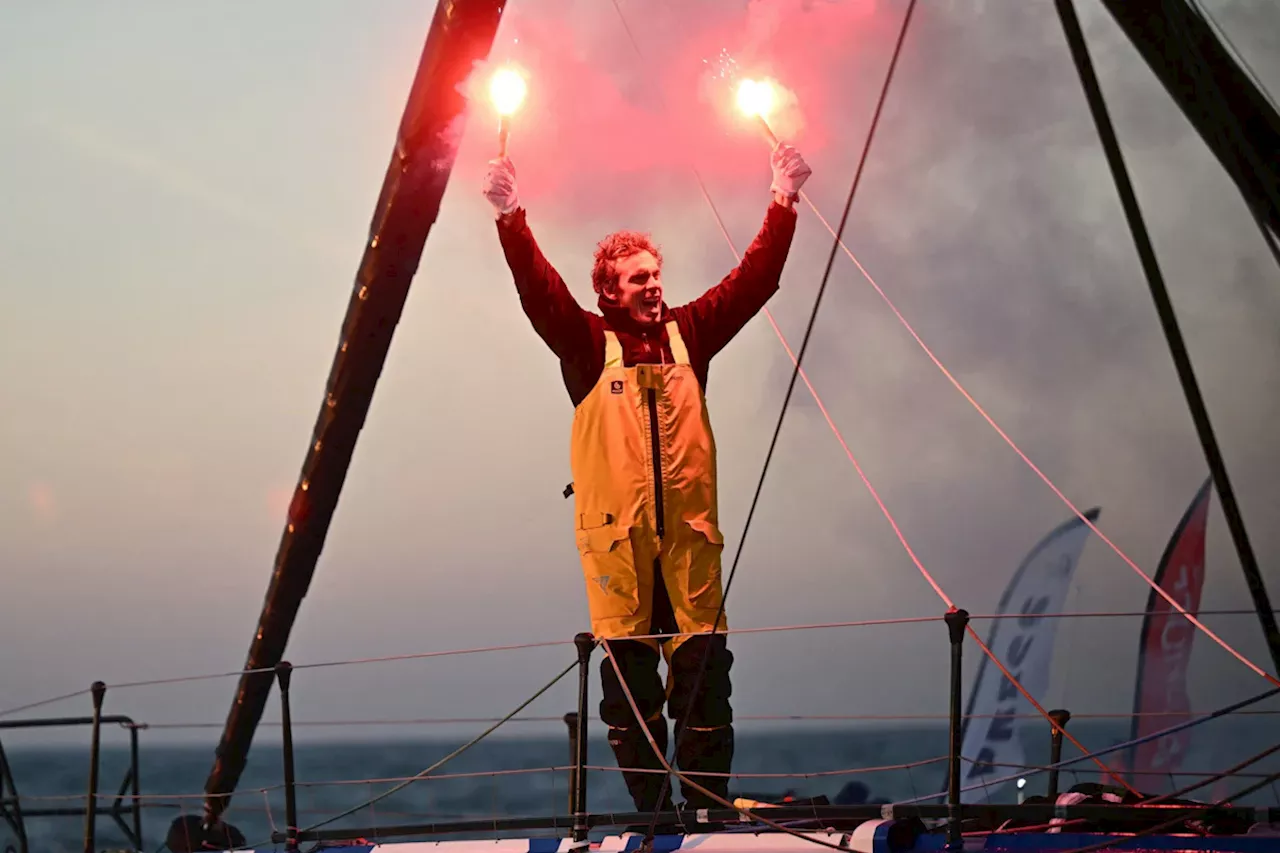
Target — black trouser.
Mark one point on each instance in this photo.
(703, 722)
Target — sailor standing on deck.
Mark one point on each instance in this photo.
(644, 469)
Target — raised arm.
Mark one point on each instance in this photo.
(720, 313)
(556, 316)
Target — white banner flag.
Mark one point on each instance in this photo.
(992, 744)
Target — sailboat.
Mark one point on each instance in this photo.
(1236, 122)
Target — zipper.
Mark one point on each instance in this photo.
(656, 448)
(655, 444)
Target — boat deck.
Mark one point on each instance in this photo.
(874, 838)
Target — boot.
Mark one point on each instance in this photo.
(700, 751)
(632, 749)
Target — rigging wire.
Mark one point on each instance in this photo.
(158, 800)
(30, 705)
(437, 765)
(147, 799)
(808, 626)
(1036, 469)
(825, 718)
(1039, 473)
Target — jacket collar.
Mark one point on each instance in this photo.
(620, 320)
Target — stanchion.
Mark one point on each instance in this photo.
(284, 670)
(99, 691)
(571, 720)
(1060, 719)
(957, 621)
(584, 642)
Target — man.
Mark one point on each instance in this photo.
(644, 470)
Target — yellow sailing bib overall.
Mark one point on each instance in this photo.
(644, 479)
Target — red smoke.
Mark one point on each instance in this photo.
(602, 127)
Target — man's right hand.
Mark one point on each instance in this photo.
(500, 186)
(790, 171)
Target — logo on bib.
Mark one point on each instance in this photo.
(616, 386)
(603, 580)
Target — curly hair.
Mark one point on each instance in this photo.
(615, 247)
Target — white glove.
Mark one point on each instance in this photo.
(500, 186)
(790, 171)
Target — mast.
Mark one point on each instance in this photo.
(1235, 119)
(461, 34)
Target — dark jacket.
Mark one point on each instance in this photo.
(706, 324)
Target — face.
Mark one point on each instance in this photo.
(639, 287)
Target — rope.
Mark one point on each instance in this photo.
(1034, 468)
(1052, 722)
(808, 626)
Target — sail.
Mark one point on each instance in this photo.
(1165, 649)
(1233, 115)
(992, 740)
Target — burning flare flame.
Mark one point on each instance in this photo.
(756, 98)
(507, 90)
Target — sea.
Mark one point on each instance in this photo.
(490, 780)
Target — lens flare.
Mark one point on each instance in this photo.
(507, 90)
(755, 98)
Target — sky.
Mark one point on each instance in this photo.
(185, 200)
